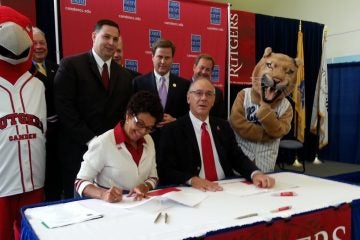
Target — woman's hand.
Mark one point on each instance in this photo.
(139, 191)
(112, 195)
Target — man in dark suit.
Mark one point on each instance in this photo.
(91, 94)
(162, 57)
(203, 67)
(181, 157)
(159, 79)
(45, 70)
(119, 58)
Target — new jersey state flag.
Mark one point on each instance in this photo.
(299, 92)
(319, 116)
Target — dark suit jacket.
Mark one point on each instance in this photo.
(53, 189)
(176, 102)
(133, 73)
(219, 108)
(48, 81)
(178, 158)
(85, 108)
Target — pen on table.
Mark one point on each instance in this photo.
(166, 218)
(281, 209)
(43, 223)
(247, 216)
(157, 217)
(285, 194)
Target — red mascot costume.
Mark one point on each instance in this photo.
(22, 123)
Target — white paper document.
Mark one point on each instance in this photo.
(59, 215)
(178, 195)
(187, 199)
(245, 188)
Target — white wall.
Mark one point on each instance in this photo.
(342, 19)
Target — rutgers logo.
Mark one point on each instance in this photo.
(20, 118)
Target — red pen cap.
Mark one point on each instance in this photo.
(287, 194)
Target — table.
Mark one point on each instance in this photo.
(215, 217)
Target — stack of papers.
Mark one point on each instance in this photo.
(53, 216)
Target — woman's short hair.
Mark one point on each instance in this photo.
(146, 102)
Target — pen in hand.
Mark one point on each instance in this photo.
(114, 194)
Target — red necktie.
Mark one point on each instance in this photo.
(105, 76)
(208, 156)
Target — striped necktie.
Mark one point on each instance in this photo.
(40, 68)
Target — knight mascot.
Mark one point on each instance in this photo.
(22, 123)
(262, 115)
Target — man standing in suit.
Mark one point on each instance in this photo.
(203, 67)
(46, 71)
(198, 149)
(119, 58)
(170, 88)
(91, 94)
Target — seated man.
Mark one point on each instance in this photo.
(198, 149)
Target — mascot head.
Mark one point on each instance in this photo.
(15, 44)
(274, 76)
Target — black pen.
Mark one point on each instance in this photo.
(157, 217)
(247, 216)
(166, 218)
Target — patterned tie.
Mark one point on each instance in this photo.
(208, 155)
(163, 91)
(41, 68)
(105, 76)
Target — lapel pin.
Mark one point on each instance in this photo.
(174, 84)
(218, 128)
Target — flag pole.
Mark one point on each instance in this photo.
(317, 161)
(300, 53)
(228, 60)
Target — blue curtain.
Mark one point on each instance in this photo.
(344, 114)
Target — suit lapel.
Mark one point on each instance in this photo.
(152, 83)
(115, 76)
(94, 68)
(171, 91)
(191, 137)
(216, 132)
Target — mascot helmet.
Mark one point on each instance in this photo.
(274, 76)
(15, 44)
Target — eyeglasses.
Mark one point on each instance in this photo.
(199, 93)
(141, 124)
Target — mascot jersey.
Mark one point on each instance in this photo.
(22, 109)
(264, 151)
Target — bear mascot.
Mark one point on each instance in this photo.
(262, 115)
(22, 123)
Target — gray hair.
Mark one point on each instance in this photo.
(38, 30)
